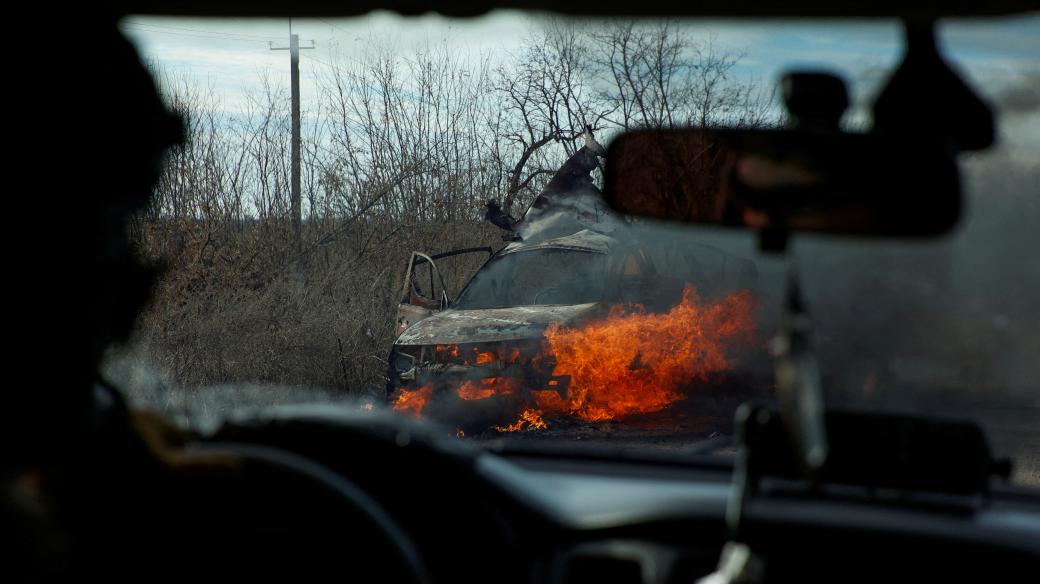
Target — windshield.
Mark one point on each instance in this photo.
(550, 276)
(285, 235)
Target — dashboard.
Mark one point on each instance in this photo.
(668, 525)
(477, 515)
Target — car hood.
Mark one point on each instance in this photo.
(492, 324)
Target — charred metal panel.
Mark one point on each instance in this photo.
(584, 240)
(409, 314)
(492, 324)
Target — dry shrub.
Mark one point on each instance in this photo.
(240, 304)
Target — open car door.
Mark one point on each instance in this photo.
(424, 291)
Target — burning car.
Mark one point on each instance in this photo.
(537, 328)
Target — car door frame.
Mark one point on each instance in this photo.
(413, 306)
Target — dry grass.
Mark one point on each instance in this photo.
(239, 304)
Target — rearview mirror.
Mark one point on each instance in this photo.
(785, 180)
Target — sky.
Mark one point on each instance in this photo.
(998, 56)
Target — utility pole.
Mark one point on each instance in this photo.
(294, 74)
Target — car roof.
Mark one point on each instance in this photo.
(585, 240)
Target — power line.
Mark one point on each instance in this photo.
(371, 85)
(200, 30)
(342, 30)
(217, 37)
(317, 60)
(199, 36)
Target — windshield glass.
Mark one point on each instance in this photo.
(286, 257)
(552, 276)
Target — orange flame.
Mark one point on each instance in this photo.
(634, 362)
(529, 420)
(630, 362)
(413, 402)
(475, 355)
(446, 352)
(487, 387)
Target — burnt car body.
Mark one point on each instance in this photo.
(570, 261)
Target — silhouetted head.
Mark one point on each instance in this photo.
(90, 285)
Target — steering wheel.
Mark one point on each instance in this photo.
(301, 506)
(390, 459)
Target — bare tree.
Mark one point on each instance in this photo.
(658, 76)
(546, 99)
